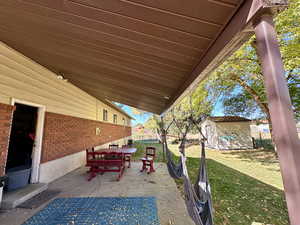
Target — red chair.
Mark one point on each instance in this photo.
(148, 160)
(127, 156)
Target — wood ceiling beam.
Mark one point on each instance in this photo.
(111, 91)
(93, 65)
(60, 19)
(142, 12)
(158, 10)
(87, 21)
(131, 88)
(92, 55)
(123, 21)
(127, 86)
(66, 67)
(224, 3)
(146, 50)
(138, 25)
(137, 103)
(74, 10)
(104, 47)
(197, 10)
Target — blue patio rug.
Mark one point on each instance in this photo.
(98, 211)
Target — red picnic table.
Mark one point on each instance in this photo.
(108, 160)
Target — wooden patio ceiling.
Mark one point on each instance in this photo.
(143, 53)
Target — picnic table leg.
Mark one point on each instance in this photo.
(129, 161)
(92, 174)
(122, 168)
(89, 170)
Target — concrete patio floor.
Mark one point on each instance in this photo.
(171, 206)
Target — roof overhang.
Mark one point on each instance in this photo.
(238, 30)
(146, 54)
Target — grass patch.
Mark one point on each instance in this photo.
(260, 164)
(240, 199)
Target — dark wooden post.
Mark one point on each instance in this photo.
(163, 137)
(282, 117)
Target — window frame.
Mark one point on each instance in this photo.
(105, 115)
(115, 118)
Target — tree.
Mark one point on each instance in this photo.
(198, 102)
(239, 80)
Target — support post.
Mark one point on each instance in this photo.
(163, 133)
(282, 117)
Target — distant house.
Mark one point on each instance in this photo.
(227, 132)
(260, 129)
(139, 132)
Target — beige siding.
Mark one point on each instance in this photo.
(260, 131)
(227, 135)
(111, 112)
(234, 135)
(23, 79)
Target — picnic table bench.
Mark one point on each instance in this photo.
(107, 160)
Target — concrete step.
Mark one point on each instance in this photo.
(14, 198)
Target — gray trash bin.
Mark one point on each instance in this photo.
(18, 177)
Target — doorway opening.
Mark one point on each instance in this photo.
(22, 140)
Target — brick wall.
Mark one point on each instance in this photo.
(5, 124)
(65, 135)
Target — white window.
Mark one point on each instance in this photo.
(115, 118)
(104, 115)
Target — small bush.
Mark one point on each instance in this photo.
(264, 143)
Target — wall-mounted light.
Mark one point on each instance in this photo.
(61, 77)
(98, 131)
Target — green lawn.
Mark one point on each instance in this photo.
(246, 185)
(259, 164)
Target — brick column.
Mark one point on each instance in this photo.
(6, 112)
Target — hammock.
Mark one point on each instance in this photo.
(197, 197)
(175, 169)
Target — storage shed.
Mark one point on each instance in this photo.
(227, 132)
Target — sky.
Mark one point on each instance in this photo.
(218, 111)
(138, 118)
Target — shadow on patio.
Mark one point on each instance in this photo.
(171, 206)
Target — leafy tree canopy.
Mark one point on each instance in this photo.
(239, 80)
